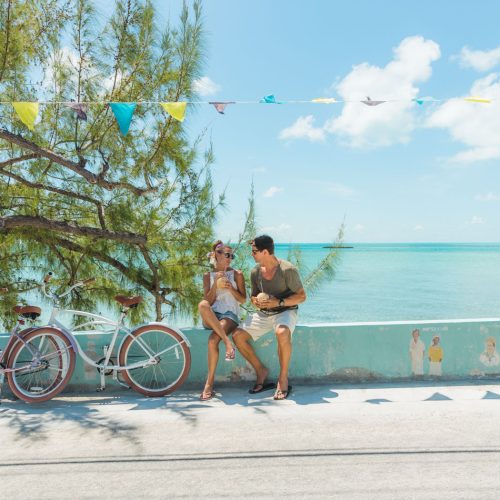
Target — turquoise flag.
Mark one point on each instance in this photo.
(123, 112)
(269, 99)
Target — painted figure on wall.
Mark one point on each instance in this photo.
(417, 350)
(435, 357)
(490, 356)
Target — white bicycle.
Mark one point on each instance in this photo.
(153, 359)
(35, 361)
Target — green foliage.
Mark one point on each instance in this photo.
(326, 269)
(136, 211)
(312, 279)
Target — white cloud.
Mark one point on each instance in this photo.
(358, 227)
(272, 191)
(341, 190)
(480, 60)
(487, 197)
(64, 59)
(476, 125)
(205, 86)
(391, 122)
(476, 220)
(418, 227)
(303, 129)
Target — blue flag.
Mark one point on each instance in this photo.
(123, 112)
(269, 99)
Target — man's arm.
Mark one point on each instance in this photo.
(293, 300)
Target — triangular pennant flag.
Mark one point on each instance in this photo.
(477, 99)
(176, 110)
(324, 100)
(79, 108)
(27, 112)
(270, 99)
(123, 112)
(221, 106)
(369, 102)
(422, 100)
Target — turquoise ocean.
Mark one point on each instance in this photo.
(404, 281)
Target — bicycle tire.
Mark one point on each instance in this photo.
(39, 384)
(173, 365)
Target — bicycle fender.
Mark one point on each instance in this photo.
(155, 323)
(72, 341)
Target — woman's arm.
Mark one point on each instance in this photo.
(209, 292)
(239, 293)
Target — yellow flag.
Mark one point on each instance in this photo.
(176, 110)
(27, 112)
(324, 100)
(477, 99)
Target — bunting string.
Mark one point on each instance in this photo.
(123, 112)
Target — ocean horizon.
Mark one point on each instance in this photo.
(403, 281)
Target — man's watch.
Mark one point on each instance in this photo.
(281, 303)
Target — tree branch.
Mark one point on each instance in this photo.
(78, 168)
(38, 185)
(65, 227)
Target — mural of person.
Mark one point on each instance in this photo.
(490, 356)
(435, 357)
(417, 350)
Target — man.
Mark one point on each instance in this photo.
(276, 292)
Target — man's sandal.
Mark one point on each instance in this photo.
(280, 395)
(262, 387)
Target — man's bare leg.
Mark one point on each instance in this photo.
(241, 339)
(284, 338)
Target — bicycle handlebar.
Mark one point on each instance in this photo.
(48, 277)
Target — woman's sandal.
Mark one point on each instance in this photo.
(207, 395)
(230, 355)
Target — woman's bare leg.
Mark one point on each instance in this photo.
(213, 354)
(210, 319)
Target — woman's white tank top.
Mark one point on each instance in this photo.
(224, 300)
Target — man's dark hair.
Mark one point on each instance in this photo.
(264, 242)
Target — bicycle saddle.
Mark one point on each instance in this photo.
(128, 301)
(29, 312)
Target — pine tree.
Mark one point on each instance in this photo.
(77, 197)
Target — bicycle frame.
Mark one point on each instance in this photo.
(16, 334)
(118, 326)
(114, 328)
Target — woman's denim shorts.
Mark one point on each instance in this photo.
(226, 315)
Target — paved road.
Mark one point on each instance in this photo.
(337, 442)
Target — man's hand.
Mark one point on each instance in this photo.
(265, 303)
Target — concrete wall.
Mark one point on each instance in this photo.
(348, 352)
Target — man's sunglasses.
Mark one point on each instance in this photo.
(226, 254)
(256, 251)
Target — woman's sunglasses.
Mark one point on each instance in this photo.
(226, 254)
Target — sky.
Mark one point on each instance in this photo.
(397, 172)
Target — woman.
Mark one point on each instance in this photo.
(224, 291)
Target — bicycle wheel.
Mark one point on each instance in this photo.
(41, 366)
(162, 359)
